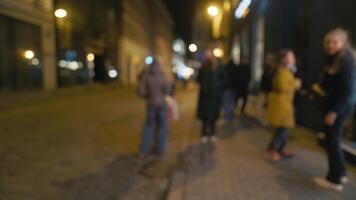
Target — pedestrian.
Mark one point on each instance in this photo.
(154, 87)
(281, 107)
(338, 89)
(210, 97)
(266, 88)
(231, 87)
(243, 78)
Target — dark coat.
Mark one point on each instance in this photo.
(210, 94)
(339, 83)
(231, 76)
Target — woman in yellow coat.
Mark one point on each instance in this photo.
(281, 107)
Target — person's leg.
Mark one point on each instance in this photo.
(148, 131)
(162, 122)
(336, 157)
(229, 104)
(244, 102)
(277, 140)
(284, 138)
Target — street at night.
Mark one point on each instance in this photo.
(177, 100)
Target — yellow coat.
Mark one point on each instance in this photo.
(281, 108)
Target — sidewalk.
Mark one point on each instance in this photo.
(236, 168)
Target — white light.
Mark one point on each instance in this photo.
(240, 11)
(29, 54)
(149, 60)
(62, 63)
(60, 13)
(213, 11)
(90, 57)
(177, 48)
(193, 48)
(73, 66)
(113, 73)
(218, 53)
(35, 61)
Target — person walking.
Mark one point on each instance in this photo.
(231, 87)
(244, 78)
(210, 97)
(281, 108)
(338, 89)
(154, 87)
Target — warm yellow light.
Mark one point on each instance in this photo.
(213, 11)
(60, 13)
(193, 48)
(218, 53)
(90, 57)
(29, 54)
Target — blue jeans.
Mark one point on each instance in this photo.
(156, 123)
(279, 140)
(229, 101)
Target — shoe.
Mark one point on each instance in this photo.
(344, 180)
(213, 139)
(275, 156)
(322, 182)
(204, 140)
(287, 154)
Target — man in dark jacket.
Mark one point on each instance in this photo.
(231, 87)
(154, 87)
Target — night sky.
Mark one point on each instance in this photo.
(183, 13)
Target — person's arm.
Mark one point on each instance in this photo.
(142, 87)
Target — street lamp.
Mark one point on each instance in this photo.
(193, 48)
(213, 11)
(60, 13)
(29, 54)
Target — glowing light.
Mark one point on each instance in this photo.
(177, 48)
(149, 60)
(218, 53)
(73, 66)
(242, 8)
(35, 61)
(60, 13)
(193, 48)
(90, 57)
(213, 11)
(29, 54)
(113, 73)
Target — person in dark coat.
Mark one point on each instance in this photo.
(231, 88)
(210, 97)
(338, 87)
(154, 87)
(243, 78)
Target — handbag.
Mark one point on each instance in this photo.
(173, 108)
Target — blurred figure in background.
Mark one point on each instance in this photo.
(231, 90)
(210, 97)
(338, 89)
(266, 86)
(280, 107)
(267, 77)
(243, 81)
(154, 87)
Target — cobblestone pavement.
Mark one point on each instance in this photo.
(80, 143)
(237, 168)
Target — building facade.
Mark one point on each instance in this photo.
(27, 45)
(147, 30)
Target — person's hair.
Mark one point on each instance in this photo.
(281, 55)
(210, 63)
(340, 33)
